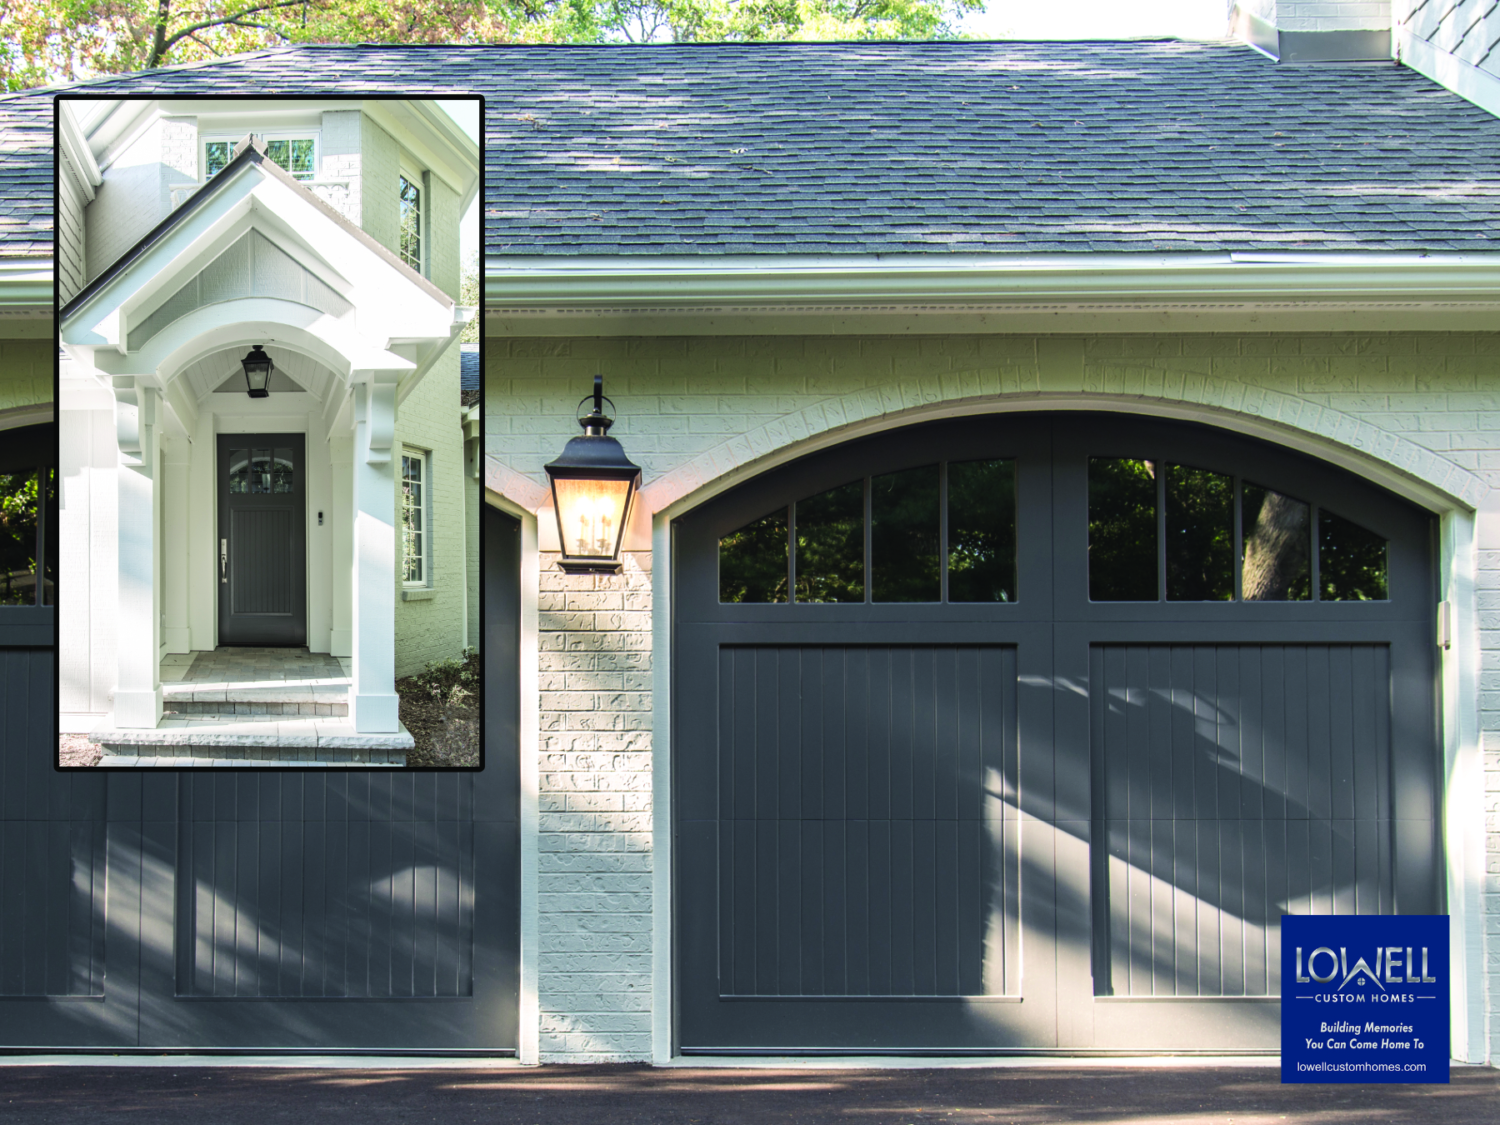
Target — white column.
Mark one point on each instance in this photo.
(138, 620)
(203, 536)
(372, 700)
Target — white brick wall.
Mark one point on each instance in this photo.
(694, 408)
(380, 160)
(429, 419)
(594, 882)
(339, 159)
(25, 372)
(1492, 839)
(136, 193)
(1330, 15)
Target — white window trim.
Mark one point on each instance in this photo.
(424, 459)
(314, 135)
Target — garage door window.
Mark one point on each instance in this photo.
(936, 533)
(1169, 532)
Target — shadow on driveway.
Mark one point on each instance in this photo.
(634, 1095)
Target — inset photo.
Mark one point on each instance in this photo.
(268, 528)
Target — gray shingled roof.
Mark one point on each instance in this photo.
(931, 147)
(26, 178)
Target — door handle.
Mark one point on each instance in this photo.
(224, 561)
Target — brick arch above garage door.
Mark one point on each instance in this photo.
(1342, 438)
(700, 413)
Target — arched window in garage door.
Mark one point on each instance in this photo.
(987, 728)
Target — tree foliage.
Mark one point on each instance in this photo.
(49, 41)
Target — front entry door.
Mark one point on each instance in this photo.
(262, 545)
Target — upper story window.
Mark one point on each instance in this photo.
(411, 222)
(296, 153)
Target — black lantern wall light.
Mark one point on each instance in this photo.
(257, 367)
(593, 484)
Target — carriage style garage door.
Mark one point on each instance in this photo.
(263, 909)
(1021, 732)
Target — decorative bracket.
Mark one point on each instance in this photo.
(135, 419)
(375, 406)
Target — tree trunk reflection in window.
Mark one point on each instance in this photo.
(1277, 555)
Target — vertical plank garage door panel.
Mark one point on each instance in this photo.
(860, 854)
(1203, 848)
(1040, 822)
(262, 909)
(852, 799)
(66, 873)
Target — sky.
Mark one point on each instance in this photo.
(1100, 19)
(466, 114)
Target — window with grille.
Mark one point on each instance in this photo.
(415, 531)
(296, 154)
(411, 224)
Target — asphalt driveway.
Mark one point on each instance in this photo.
(634, 1095)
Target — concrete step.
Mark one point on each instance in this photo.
(250, 739)
(330, 707)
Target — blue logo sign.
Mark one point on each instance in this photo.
(1364, 998)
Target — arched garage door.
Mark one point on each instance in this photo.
(1021, 732)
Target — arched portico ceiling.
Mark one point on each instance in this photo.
(222, 371)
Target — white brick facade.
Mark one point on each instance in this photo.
(594, 803)
(698, 410)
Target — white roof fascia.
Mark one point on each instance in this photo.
(25, 291)
(77, 156)
(1242, 285)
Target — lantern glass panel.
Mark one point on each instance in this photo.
(589, 515)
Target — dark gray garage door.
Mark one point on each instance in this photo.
(1021, 733)
(260, 909)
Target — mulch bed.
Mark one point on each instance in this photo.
(440, 708)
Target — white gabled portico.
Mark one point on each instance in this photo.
(254, 258)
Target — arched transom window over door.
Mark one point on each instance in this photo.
(1022, 731)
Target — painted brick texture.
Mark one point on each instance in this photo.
(1492, 889)
(694, 408)
(25, 372)
(137, 189)
(594, 847)
(428, 420)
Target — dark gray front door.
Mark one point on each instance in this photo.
(1021, 732)
(262, 540)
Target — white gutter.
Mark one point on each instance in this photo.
(791, 282)
(26, 287)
